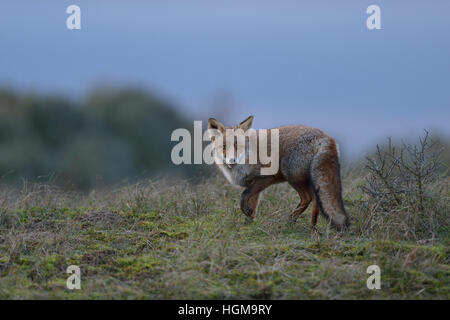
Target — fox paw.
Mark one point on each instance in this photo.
(292, 219)
(248, 220)
(248, 215)
(315, 234)
(248, 212)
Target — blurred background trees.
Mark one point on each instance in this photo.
(111, 136)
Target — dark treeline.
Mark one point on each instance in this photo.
(110, 136)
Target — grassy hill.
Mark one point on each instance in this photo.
(172, 239)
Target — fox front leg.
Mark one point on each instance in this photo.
(250, 196)
(249, 202)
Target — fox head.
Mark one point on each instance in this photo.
(229, 151)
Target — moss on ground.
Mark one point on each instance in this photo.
(181, 241)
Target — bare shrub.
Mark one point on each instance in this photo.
(405, 192)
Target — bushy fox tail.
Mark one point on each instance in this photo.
(326, 180)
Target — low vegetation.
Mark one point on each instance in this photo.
(173, 239)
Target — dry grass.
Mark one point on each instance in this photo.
(175, 240)
(172, 239)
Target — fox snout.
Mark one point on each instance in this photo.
(230, 162)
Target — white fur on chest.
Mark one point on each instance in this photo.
(237, 175)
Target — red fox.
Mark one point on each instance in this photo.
(308, 161)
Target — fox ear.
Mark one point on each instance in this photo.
(246, 124)
(214, 124)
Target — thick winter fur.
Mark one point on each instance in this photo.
(308, 161)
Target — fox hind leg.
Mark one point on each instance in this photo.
(305, 199)
(314, 216)
(314, 212)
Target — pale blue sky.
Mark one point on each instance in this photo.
(309, 62)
